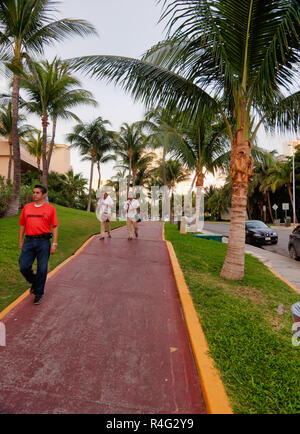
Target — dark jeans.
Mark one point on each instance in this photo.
(32, 249)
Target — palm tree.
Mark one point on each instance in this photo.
(131, 145)
(263, 162)
(219, 55)
(101, 157)
(26, 27)
(281, 175)
(50, 88)
(6, 130)
(175, 174)
(34, 145)
(91, 138)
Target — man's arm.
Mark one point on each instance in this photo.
(21, 236)
(55, 235)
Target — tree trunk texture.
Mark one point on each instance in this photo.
(91, 182)
(52, 144)
(241, 166)
(10, 159)
(163, 166)
(13, 205)
(44, 150)
(99, 174)
(270, 208)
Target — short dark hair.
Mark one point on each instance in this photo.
(42, 188)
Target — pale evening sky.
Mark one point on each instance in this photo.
(126, 28)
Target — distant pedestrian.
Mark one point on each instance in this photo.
(132, 208)
(36, 221)
(104, 210)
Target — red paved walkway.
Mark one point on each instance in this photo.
(109, 336)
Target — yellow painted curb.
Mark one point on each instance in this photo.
(213, 389)
(15, 303)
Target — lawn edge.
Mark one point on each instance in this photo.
(18, 300)
(214, 393)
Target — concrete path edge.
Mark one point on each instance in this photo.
(214, 393)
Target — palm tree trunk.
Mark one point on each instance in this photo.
(91, 181)
(269, 205)
(44, 150)
(39, 168)
(13, 205)
(52, 143)
(240, 170)
(163, 165)
(172, 207)
(10, 158)
(99, 174)
(129, 175)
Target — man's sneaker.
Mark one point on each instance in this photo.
(37, 299)
(109, 236)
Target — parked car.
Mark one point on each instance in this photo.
(294, 243)
(257, 232)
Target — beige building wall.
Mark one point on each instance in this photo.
(60, 162)
(61, 159)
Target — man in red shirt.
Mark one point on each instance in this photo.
(36, 221)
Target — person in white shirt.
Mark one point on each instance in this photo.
(104, 210)
(132, 207)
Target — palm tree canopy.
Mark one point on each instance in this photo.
(216, 52)
(28, 26)
(92, 137)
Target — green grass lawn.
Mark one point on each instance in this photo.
(249, 340)
(75, 227)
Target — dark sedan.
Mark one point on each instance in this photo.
(294, 243)
(257, 232)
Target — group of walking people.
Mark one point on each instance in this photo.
(39, 217)
(104, 211)
(39, 225)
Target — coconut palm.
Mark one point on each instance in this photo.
(6, 130)
(26, 27)
(281, 175)
(52, 91)
(131, 145)
(34, 145)
(219, 55)
(91, 138)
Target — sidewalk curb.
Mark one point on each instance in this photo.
(18, 300)
(213, 389)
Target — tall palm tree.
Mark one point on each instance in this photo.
(131, 145)
(34, 145)
(219, 55)
(51, 92)
(281, 175)
(91, 138)
(6, 130)
(26, 27)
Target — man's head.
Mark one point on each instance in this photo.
(130, 195)
(39, 193)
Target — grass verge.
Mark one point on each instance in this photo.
(75, 227)
(250, 342)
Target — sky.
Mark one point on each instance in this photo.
(126, 28)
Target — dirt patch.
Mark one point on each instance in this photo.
(252, 293)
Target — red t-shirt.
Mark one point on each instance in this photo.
(38, 220)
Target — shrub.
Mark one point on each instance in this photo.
(5, 193)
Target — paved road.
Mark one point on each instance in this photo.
(109, 336)
(283, 237)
